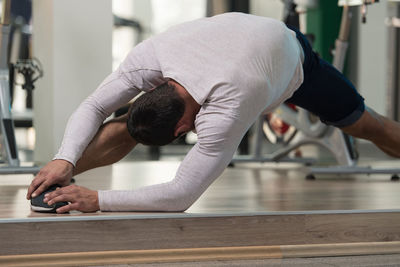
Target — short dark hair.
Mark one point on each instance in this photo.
(153, 116)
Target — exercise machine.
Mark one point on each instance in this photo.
(308, 130)
(11, 163)
(393, 57)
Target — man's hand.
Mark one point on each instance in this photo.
(55, 172)
(80, 198)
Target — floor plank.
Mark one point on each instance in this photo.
(245, 188)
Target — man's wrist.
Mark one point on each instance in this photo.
(66, 162)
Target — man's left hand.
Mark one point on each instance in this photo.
(80, 198)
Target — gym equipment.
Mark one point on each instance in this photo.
(8, 145)
(311, 131)
(38, 205)
(393, 57)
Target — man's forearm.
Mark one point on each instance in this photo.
(111, 143)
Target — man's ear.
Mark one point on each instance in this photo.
(181, 129)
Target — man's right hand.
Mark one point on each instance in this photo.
(55, 172)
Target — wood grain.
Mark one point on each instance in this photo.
(174, 233)
(26, 238)
(199, 254)
(368, 227)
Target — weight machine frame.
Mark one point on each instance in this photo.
(339, 144)
(12, 164)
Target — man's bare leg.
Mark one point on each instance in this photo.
(111, 143)
(381, 131)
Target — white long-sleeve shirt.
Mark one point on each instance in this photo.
(234, 65)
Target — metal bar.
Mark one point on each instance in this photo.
(6, 13)
(19, 170)
(345, 24)
(353, 170)
(271, 158)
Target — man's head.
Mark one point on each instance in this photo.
(152, 118)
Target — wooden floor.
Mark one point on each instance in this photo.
(245, 188)
(249, 205)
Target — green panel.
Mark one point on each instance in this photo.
(324, 23)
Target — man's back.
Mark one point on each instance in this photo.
(255, 55)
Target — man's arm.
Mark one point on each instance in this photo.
(82, 128)
(140, 70)
(198, 170)
(219, 136)
(111, 143)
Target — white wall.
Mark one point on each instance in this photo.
(72, 39)
(269, 8)
(154, 16)
(124, 38)
(167, 13)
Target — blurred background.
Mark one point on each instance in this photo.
(73, 45)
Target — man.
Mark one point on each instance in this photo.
(213, 75)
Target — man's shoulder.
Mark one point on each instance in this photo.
(141, 68)
(141, 57)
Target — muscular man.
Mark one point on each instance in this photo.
(215, 76)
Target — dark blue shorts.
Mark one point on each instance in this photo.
(325, 91)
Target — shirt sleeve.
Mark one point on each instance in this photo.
(218, 138)
(140, 71)
(83, 124)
